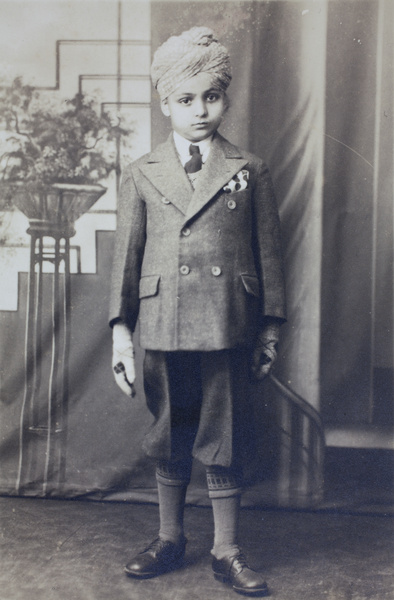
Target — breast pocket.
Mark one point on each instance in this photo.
(149, 286)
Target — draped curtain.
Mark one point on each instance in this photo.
(312, 94)
(357, 283)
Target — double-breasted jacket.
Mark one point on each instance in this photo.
(200, 267)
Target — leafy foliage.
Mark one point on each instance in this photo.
(42, 142)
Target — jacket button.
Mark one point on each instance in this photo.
(165, 201)
(231, 204)
(216, 271)
(186, 231)
(184, 270)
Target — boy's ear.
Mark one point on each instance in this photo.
(164, 108)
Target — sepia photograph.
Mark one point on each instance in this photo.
(196, 299)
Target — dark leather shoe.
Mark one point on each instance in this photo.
(159, 557)
(235, 571)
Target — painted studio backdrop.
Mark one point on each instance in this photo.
(312, 94)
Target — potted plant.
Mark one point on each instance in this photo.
(53, 154)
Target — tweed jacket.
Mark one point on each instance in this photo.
(199, 267)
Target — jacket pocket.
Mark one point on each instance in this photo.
(149, 286)
(251, 284)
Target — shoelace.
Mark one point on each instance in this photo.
(239, 562)
(156, 545)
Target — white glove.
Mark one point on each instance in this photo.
(266, 350)
(123, 359)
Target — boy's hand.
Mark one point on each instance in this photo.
(266, 350)
(123, 359)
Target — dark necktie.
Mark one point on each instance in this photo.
(195, 163)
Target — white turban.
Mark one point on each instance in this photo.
(181, 57)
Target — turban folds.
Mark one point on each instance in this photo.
(181, 57)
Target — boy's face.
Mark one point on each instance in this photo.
(196, 108)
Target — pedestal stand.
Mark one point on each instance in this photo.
(43, 421)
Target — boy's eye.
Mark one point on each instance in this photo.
(185, 101)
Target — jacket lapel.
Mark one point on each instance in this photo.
(163, 168)
(224, 161)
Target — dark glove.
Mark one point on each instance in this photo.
(266, 350)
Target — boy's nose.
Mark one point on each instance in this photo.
(201, 109)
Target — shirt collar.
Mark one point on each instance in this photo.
(182, 146)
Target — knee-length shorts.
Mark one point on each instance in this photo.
(200, 405)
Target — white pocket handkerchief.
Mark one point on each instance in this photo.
(238, 183)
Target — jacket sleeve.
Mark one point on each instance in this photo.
(267, 247)
(128, 254)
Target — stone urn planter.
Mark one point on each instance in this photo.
(53, 210)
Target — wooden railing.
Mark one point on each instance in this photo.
(302, 443)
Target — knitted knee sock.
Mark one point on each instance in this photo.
(171, 507)
(172, 481)
(225, 495)
(225, 516)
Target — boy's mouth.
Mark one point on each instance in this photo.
(200, 124)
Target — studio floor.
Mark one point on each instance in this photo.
(76, 549)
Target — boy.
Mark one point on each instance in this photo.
(198, 260)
